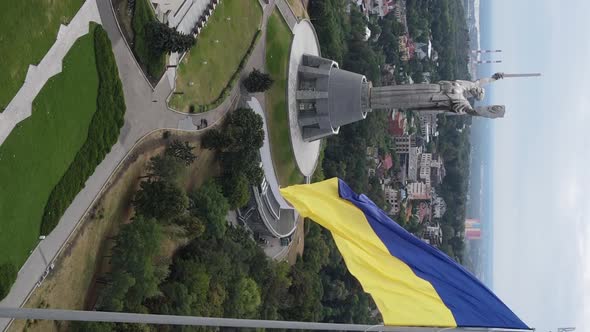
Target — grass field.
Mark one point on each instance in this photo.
(209, 65)
(278, 45)
(39, 150)
(28, 29)
(68, 285)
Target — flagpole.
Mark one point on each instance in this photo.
(119, 317)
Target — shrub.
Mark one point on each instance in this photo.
(257, 81)
(152, 62)
(7, 277)
(103, 133)
(163, 39)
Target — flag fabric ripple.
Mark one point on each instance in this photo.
(412, 283)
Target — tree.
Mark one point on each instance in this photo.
(76, 326)
(181, 151)
(191, 223)
(215, 139)
(275, 291)
(236, 188)
(161, 200)
(164, 167)
(135, 277)
(7, 277)
(258, 81)
(244, 162)
(246, 298)
(178, 301)
(209, 204)
(163, 39)
(245, 129)
(375, 192)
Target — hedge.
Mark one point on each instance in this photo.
(235, 76)
(103, 133)
(7, 277)
(154, 64)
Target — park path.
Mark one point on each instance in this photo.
(20, 107)
(146, 111)
(287, 13)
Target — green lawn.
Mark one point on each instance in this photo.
(28, 29)
(210, 64)
(278, 46)
(39, 150)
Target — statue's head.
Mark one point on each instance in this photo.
(478, 93)
(492, 111)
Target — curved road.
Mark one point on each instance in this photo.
(146, 112)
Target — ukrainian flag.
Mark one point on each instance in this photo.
(412, 283)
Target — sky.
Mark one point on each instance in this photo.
(541, 160)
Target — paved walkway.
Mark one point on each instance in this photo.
(287, 13)
(20, 107)
(146, 111)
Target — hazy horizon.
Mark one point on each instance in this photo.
(541, 250)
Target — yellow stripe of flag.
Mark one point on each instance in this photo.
(403, 298)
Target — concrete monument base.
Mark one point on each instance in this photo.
(304, 42)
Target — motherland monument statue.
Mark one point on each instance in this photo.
(329, 97)
(445, 96)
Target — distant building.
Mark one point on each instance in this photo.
(425, 174)
(413, 156)
(382, 7)
(392, 197)
(397, 123)
(431, 169)
(373, 157)
(428, 124)
(423, 50)
(265, 215)
(439, 206)
(406, 48)
(399, 13)
(387, 163)
(433, 234)
(388, 74)
(418, 191)
(472, 229)
(404, 143)
(424, 212)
